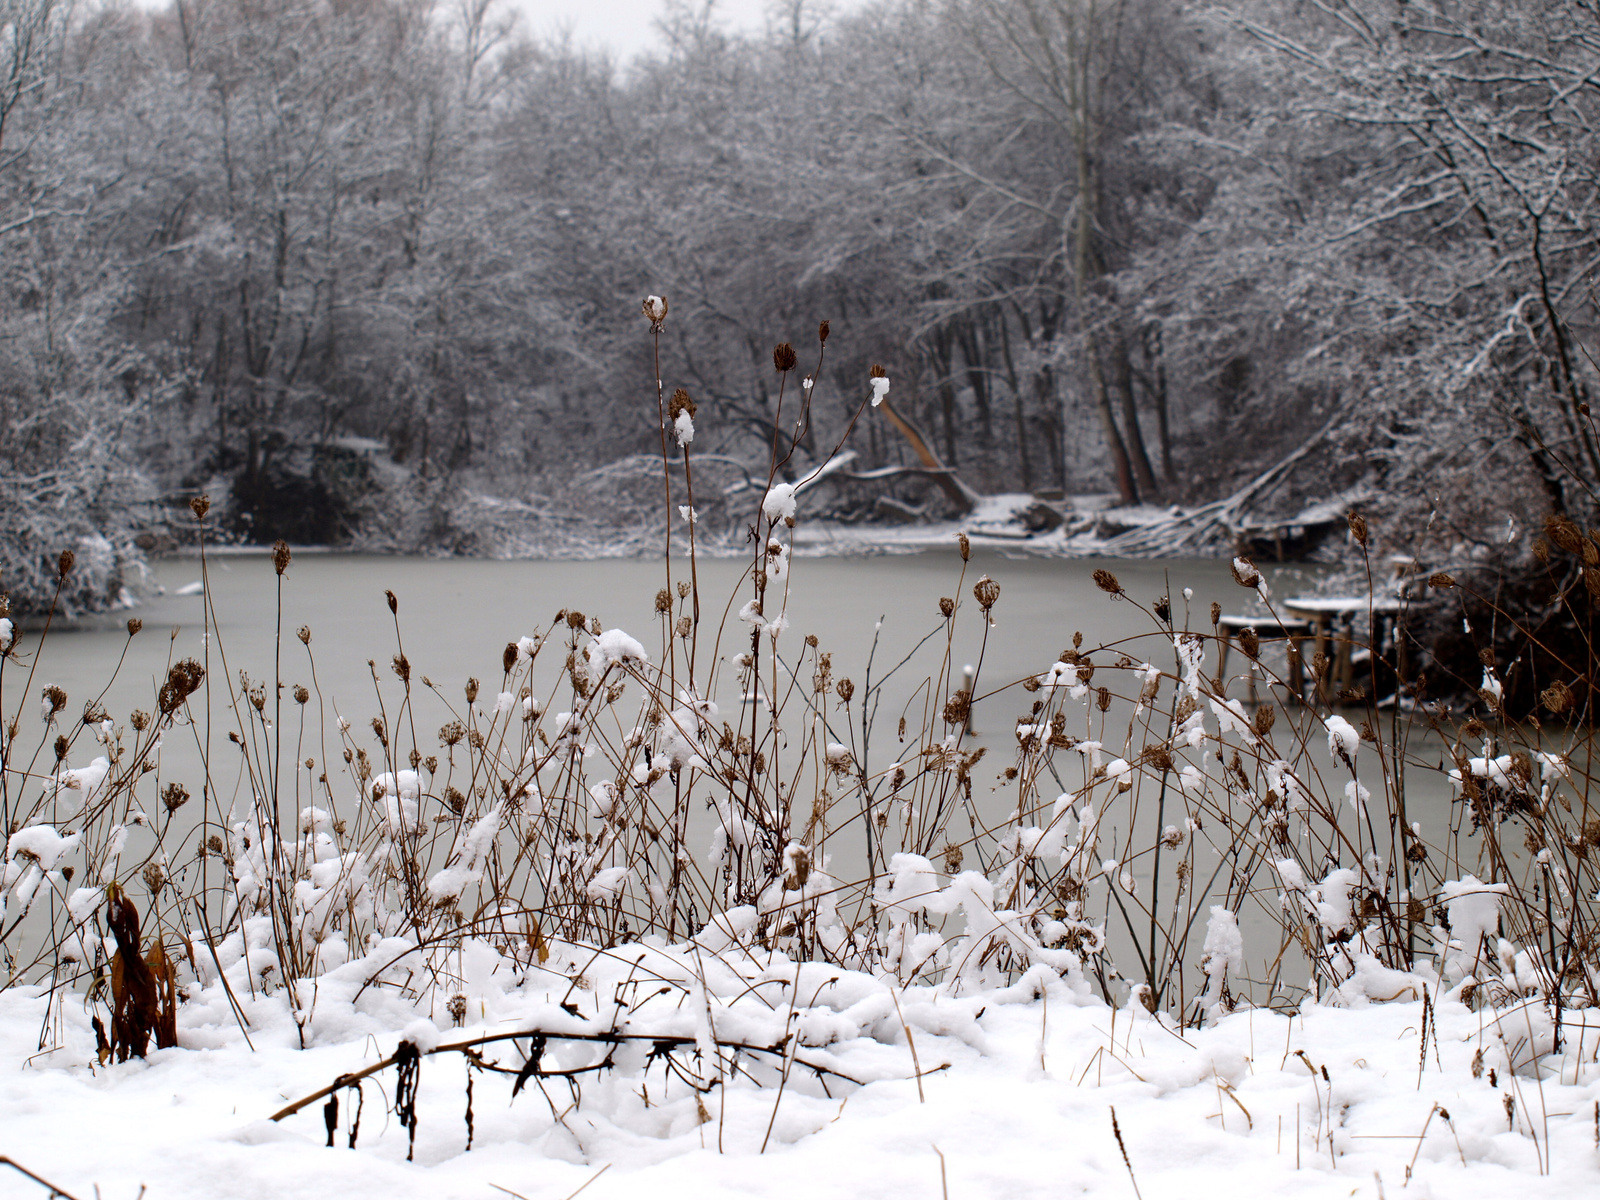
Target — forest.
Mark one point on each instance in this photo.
(369, 272)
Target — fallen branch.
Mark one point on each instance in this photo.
(39, 1179)
(1195, 527)
(660, 1045)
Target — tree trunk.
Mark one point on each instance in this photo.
(1122, 372)
(964, 498)
(1153, 352)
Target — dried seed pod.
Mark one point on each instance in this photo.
(472, 689)
(986, 591)
(1244, 573)
(200, 506)
(1163, 610)
(174, 796)
(134, 625)
(281, 556)
(965, 543)
(508, 658)
(684, 628)
(301, 695)
(877, 372)
(680, 403)
(845, 689)
(1557, 697)
(822, 333)
(401, 665)
(1250, 642)
(655, 311)
(958, 708)
(139, 719)
(1107, 582)
(1158, 756)
(1265, 716)
(1216, 613)
(1540, 550)
(1103, 700)
(576, 620)
(663, 601)
(683, 589)
(947, 607)
(784, 357)
(1564, 532)
(1442, 580)
(65, 562)
(1358, 528)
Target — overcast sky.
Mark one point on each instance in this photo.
(626, 26)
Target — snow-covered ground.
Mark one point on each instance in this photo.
(1017, 1092)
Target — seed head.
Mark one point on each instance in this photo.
(1216, 612)
(139, 719)
(401, 665)
(957, 708)
(846, 689)
(200, 506)
(65, 562)
(1250, 642)
(822, 333)
(1541, 551)
(304, 634)
(1245, 573)
(280, 556)
(655, 311)
(183, 679)
(963, 541)
(986, 591)
(784, 357)
(663, 601)
(684, 627)
(683, 589)
(1442, 580)
(1265, 716)
(394, 603)
(56, 698)
(61, 748)
(1358, 528)
(575, 620)
(1557, 697)
(947, 607)
(472, 689)
(1107, 582)
(174, 796)
(301, 695)
(1163, 610)
(154, 877)
(680, 403)
(1564, 532)
(508, 657)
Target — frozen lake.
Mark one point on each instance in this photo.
(456, 616)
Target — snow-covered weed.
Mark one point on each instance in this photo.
(605, 800)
